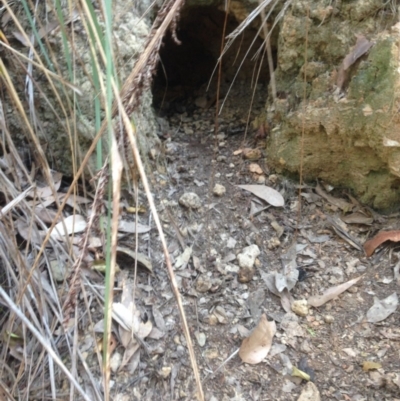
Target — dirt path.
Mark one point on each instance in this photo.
(223, 301)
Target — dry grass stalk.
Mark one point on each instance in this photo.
(74, 279)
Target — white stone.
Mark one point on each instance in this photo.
(300, 307)
(219, 190)
(248, 256)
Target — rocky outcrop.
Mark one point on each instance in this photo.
(346, 128)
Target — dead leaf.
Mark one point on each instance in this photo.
(284, 295)
(340, 203)
(331, 293)
(29, 232)
(256, 347)
(183, 259)
(132, 227)
(381, 309)
(341, 230)
(265, 193)
(142, 259)
(70, 225)
(159, 319)
(73, 200)
(21, 38)
(358, 218)
(361, 47)
(371, 245)
(290, 272)
(46, 215)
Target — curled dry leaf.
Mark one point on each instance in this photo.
(331, 293)
(267, 194)
(256, 347)
(379, 239)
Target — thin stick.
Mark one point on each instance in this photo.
(269, 54)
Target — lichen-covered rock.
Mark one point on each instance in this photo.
(190, 200)
(350, 139)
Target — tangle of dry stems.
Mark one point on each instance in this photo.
(138, 81)
(136, 84)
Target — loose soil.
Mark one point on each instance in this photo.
(334, 339)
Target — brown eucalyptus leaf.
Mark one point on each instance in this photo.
(256, 347)
(358, 218)
(379, 239)
(330, 293)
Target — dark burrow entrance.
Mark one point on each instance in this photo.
(186, 70)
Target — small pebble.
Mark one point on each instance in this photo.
(190, 200)
(300, 307)
(115, 361)
(219, 190)
(201, 338)
(329, 319)
(246, 274)
(165, 371)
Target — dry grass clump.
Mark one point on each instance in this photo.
(46, 223)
